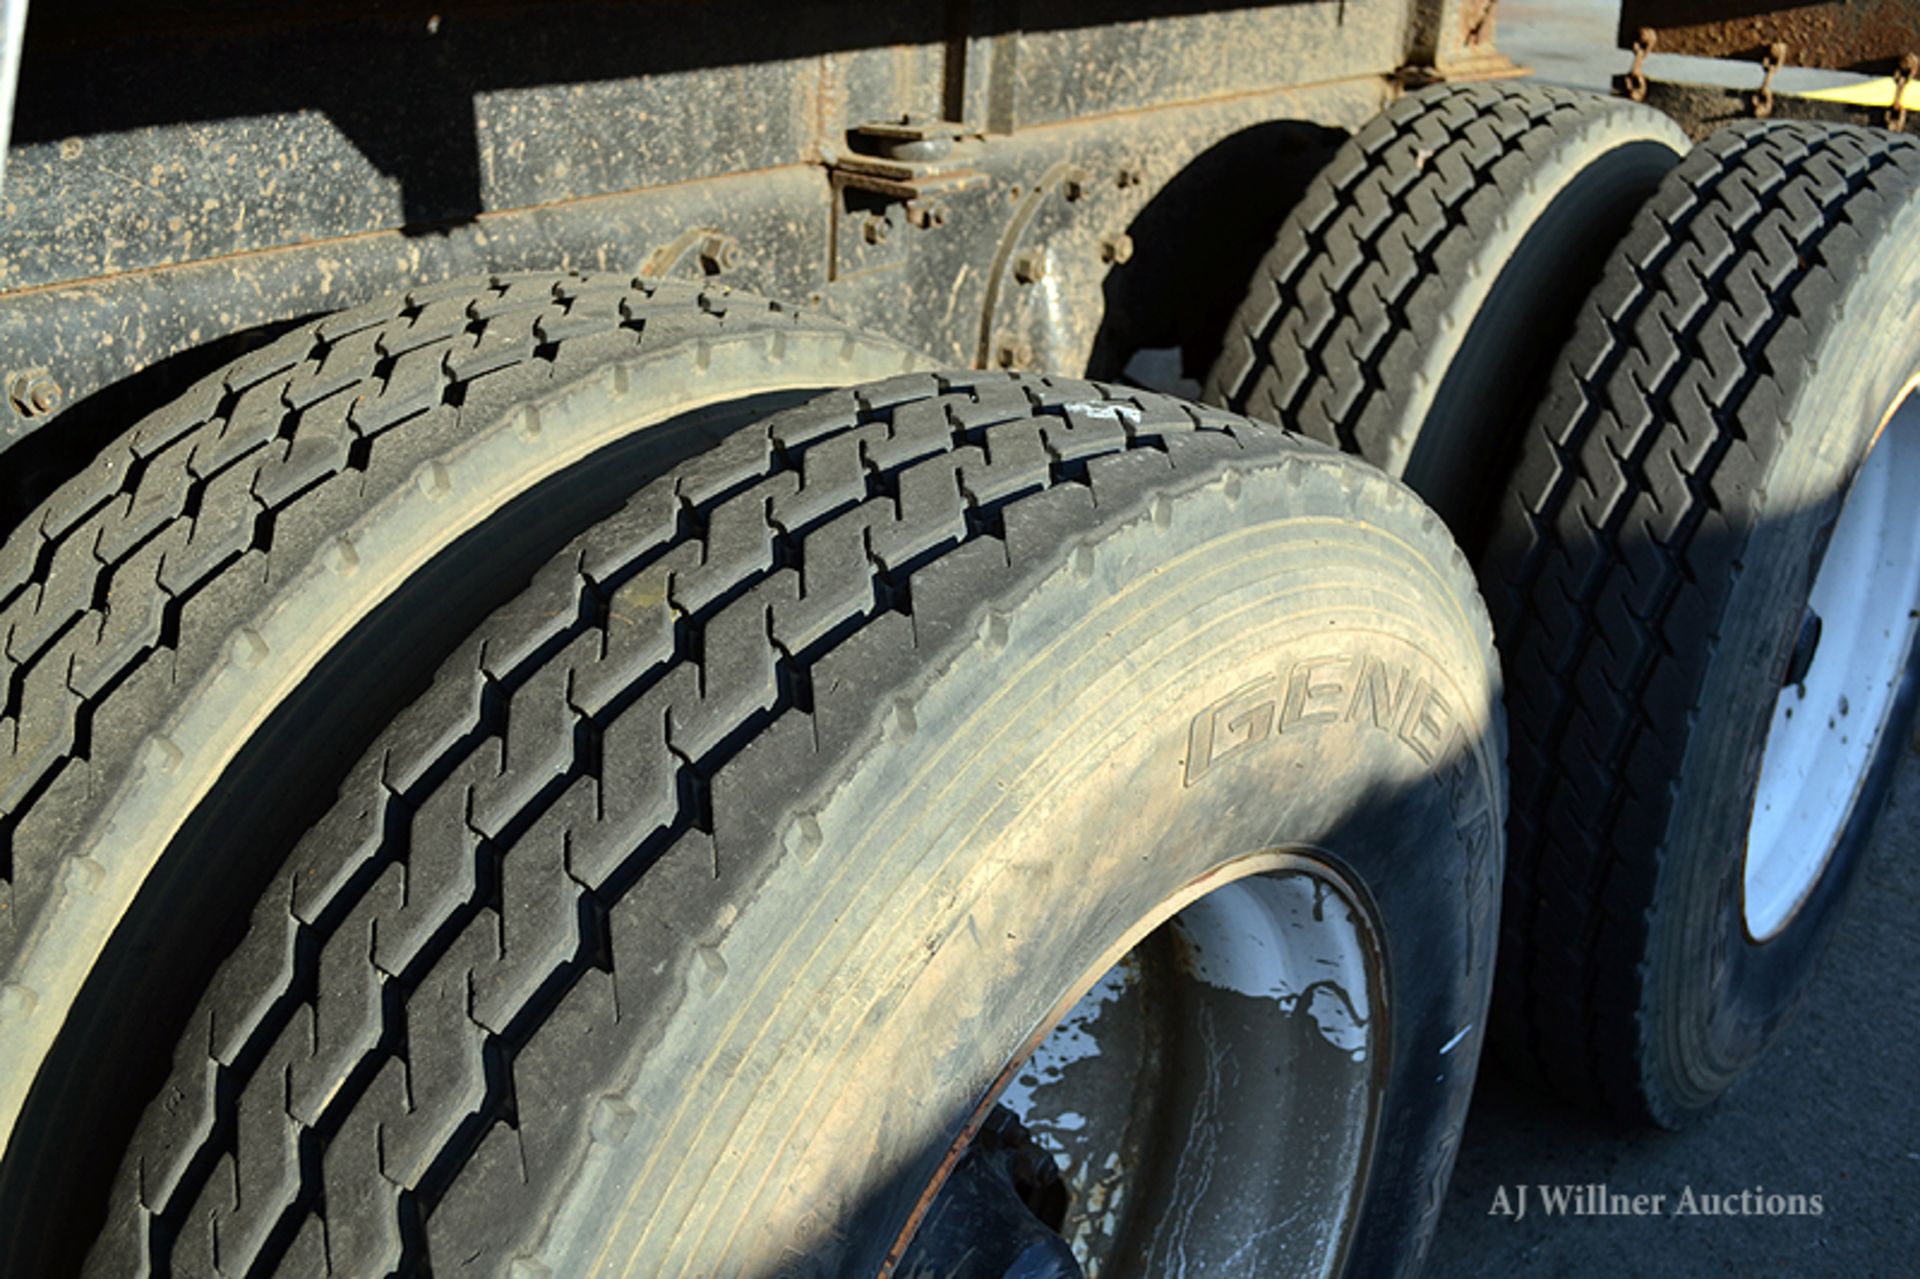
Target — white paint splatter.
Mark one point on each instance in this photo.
(1111, 411)
(1288, 939)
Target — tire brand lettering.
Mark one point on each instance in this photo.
(1328, 689)
(1386, 697)
(1241, 719)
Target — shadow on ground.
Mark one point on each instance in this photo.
(1833, 1111)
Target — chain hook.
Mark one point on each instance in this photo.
(1775, 59)
(1903, 76)
(1637, 75)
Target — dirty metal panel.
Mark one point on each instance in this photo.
(91, 334)
(1068, 68)
(1843, 35)
(177, 179)
(148, 138)
(181, 145)
(948, 283)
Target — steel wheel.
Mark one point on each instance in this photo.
(1855, 643)
(1216, 1085)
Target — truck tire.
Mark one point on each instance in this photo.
(1727, 452)
(691, 920)
(1415, 296)
(160, 610)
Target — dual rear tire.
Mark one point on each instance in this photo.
(1678, 490)
(810, 789)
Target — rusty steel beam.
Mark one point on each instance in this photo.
(1841, 35)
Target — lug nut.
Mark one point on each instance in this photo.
(1030, 268)
(33, 394)
(719, 253)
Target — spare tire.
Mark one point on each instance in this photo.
(1414, 297)
(693, 920)
(176, 622)
(1706, 583)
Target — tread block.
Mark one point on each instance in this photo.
(362, 1217)
(446, 1078)
(441, 870)
(347, 1014)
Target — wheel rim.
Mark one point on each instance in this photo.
(1852, 653)
(1208, 1102)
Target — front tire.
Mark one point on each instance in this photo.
(720, 883)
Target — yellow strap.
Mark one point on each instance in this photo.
(1867, 93)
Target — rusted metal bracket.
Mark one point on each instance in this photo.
(909, 160)
(1489, 64)
(701, 250)
(1452, 42)
(1702, 108)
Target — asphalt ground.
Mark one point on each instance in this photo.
(1833, 1111)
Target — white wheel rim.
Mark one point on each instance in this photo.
(1827, 729)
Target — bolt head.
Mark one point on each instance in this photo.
(33, 394)
(719, 253)
(1117, 249)
(1030, 268)
(875, 229)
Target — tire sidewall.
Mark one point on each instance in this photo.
(1715, 996)
(1410, 813)
(1485, 365)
